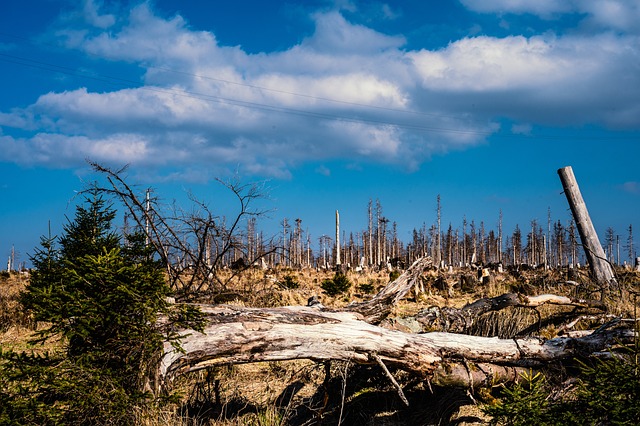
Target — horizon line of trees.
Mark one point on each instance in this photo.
(471, 243)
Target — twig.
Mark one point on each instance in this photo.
(344, 391)
(393, 380)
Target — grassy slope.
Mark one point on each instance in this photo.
(270, 393)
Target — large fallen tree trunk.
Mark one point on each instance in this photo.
(235, 335)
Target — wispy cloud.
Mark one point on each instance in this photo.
(631, 187)
(323, 170)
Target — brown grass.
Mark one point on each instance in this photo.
(299, 392)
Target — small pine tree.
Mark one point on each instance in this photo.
(289, 282)
(338, 285)
(102, 298)
(523, 404)
(607, 392)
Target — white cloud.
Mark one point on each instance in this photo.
(145, 37)
(346, 91)
(335, 35)
(551, 80)
(91, 12)
(487, 63)
(361, 88)
(64, 151)
(544, 8)
(621, 15)
(323, 170)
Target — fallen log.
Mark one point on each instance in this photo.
(461, 320)
(235, 335)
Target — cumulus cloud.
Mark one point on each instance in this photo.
(335, 35)
(68, 151)
(345, 91)
(549, 80)
(622, 15)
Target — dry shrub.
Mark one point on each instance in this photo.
(506, 323)
(11, 312)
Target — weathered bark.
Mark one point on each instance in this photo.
(600, 269)
(379, 307)
(461, 320)
(235, 335)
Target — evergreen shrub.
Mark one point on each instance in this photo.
(100, 296)
(338, 285)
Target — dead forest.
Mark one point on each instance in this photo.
(368, 330)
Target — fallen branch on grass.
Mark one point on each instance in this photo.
(235, 335)
(461, 320)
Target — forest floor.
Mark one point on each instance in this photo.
(300, 392)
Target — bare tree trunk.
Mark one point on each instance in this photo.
(600, 268)
(235, 335)
(379, 307)
(338, 259)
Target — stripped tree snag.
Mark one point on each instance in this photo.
(461, 320)
(601, 269)
(236, 335)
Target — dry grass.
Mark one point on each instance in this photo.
(300, 392)
(11, 313)
(16, 326)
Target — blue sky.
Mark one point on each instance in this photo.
(332, 103)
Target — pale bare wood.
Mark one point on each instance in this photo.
(461, 320)
(394, 382)
(600, 268)
(379, 307)
(236, 335)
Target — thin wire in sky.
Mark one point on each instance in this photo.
(133, 84)
(252, 86)
(127, 83)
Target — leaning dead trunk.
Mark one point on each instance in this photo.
(380, 306)
(600, 269)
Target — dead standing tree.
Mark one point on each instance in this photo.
(601, 269)
(192, 245)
